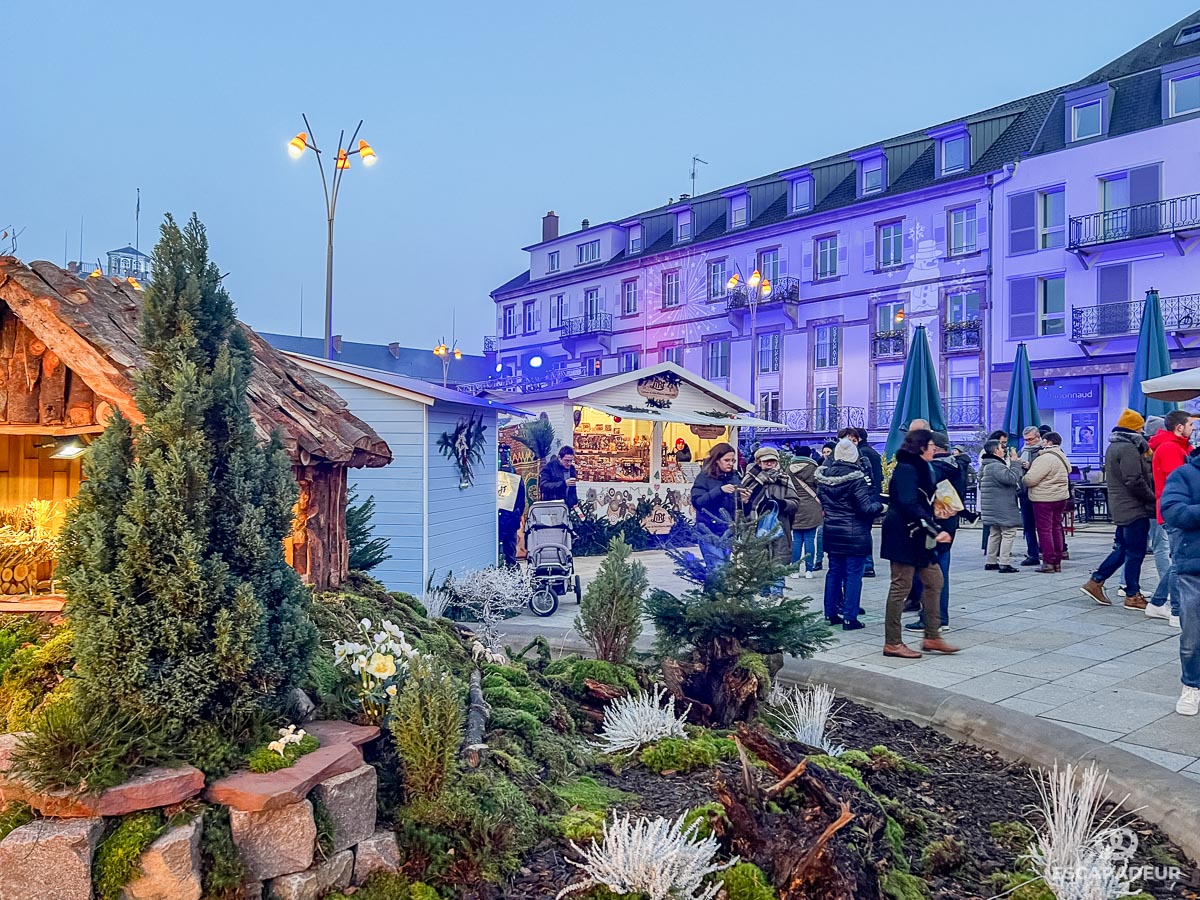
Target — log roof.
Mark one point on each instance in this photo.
(93, 326)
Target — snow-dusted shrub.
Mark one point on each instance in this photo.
(657, 857)
(489, 596)
(803, 715)
(630, 722)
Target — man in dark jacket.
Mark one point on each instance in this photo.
(557, 478)
(946, 467)
(1180, 504)
(510, 519)
(872, 463)
(1131, 503)
(1032, 437)
(852, 504)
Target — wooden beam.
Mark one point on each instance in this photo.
(80, 401)
(52, 393)
(24, 369)
(48, 430)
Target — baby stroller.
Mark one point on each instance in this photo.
(548, 552)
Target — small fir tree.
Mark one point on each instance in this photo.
(610, 616)
(185, 611)
(366, 551)
(727, 633)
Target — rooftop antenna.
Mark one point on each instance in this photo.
(302, 309)
(137, 223)
(695, 159)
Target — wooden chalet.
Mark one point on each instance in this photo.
(68, 356)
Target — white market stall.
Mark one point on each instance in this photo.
(630, 431)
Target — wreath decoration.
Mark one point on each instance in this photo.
(464, 447)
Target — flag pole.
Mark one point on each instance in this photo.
(137, 223)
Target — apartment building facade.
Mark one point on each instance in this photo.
(958, 228)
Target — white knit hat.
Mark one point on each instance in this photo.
(845, 451)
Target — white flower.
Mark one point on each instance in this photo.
(382, 666)
(391, 690)
(380, 637)
(365, 623)
(392, 629)
(360, 663)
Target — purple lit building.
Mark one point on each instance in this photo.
(1000, 226)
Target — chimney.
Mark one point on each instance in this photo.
(337, 343)
(549, 226)
(585, 224)
(685, 196)
(394, 349)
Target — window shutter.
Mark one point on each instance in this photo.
(603, 306)
(1022, 223)
(1143, 185)
(980, 229)
(843, 266)
(939, 235)
(869, 254)
(1114, 315)
(1022, 308)
(806, 275)
(783, 261)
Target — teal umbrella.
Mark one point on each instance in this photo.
(1152, 359)
(919, 397)
(1021, 410)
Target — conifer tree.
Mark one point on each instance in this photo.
(366, 550)
(185, 611)
(610, 616)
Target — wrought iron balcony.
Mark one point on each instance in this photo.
(889, 344)
(491, 344)
(583, 326)
(959, 336)
(964, 411)
(821, 420)
(1106, 320)
(526, 383)
(881, 415)
(1143, 220)
(783, 290)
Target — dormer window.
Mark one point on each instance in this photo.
(552, 261)
(802, 195)
(1087, 120)
(635, 238)
(954, 154)
(683, 226)
(739, 210)
(872, 175)
(1185, 94)
(1187, 35)
(589, 252)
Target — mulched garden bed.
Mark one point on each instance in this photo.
(966, 791)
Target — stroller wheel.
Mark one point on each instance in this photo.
(544, 602)
(578, 591)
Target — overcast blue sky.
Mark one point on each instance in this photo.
(484, 115)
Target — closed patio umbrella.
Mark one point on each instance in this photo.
(1152, 359)
(1021, 409)
(919, 397)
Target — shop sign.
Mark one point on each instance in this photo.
(664, 386)
(708, 432)
(1069, 393)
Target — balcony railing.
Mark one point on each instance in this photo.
(821, 420)
(1143, 220)
(783, 290)
(958, 336)
(491, 344)
(527, 383)
(881, 415)
(1106, 320)
(963, 411)
(582, 326)
(889, 344)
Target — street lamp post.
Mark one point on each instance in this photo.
(757, 289)
(306, 140)
(446, 354)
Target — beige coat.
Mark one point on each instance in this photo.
(1048, 477)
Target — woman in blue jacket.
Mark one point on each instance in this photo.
(851, 506)
(716, 493)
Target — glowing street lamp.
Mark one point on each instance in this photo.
(757, 289)
(446, 354)
(305, 140)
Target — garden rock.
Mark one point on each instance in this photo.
(150, 790)
(49, 858)
(331, 731)
(317, 881)
(350, 801)
(303, 705)
(274, 842)
(254, 792)
(378, 853)
(8, 743)
(170, 867)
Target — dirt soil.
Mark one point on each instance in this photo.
(966, 790)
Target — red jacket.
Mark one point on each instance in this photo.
(1170, 452)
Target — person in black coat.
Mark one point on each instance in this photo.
(872, 462)
(715, 496)
(850, 505)
(911, 533)
(556, 481)
(510, 520)
(956, 470)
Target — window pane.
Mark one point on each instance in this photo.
(803, 194)
(1087, 120)
(1054, 300)
(1185, 95)
(954, 154)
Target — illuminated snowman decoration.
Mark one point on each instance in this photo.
(922, 305)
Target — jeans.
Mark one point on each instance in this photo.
(1171, 539)
(804, 544)
(843, 587)
(917, 593)
(1030, 525)
(1049, 518)
(999, 544)
(1129, 548)
(902, 579)
(1189, 618)
(714, 555)
(820, 546)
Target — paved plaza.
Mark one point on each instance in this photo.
(1032, 642)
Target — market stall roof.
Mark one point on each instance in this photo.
(1176, 387)
(682, 417)
(664, 368)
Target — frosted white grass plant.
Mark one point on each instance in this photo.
(1074, 853)
(491, 595)
(630, 722)
(803, 715)
(657, 857)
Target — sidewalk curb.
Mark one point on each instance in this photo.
(1169, 800)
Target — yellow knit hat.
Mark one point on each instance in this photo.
(1131, 420)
